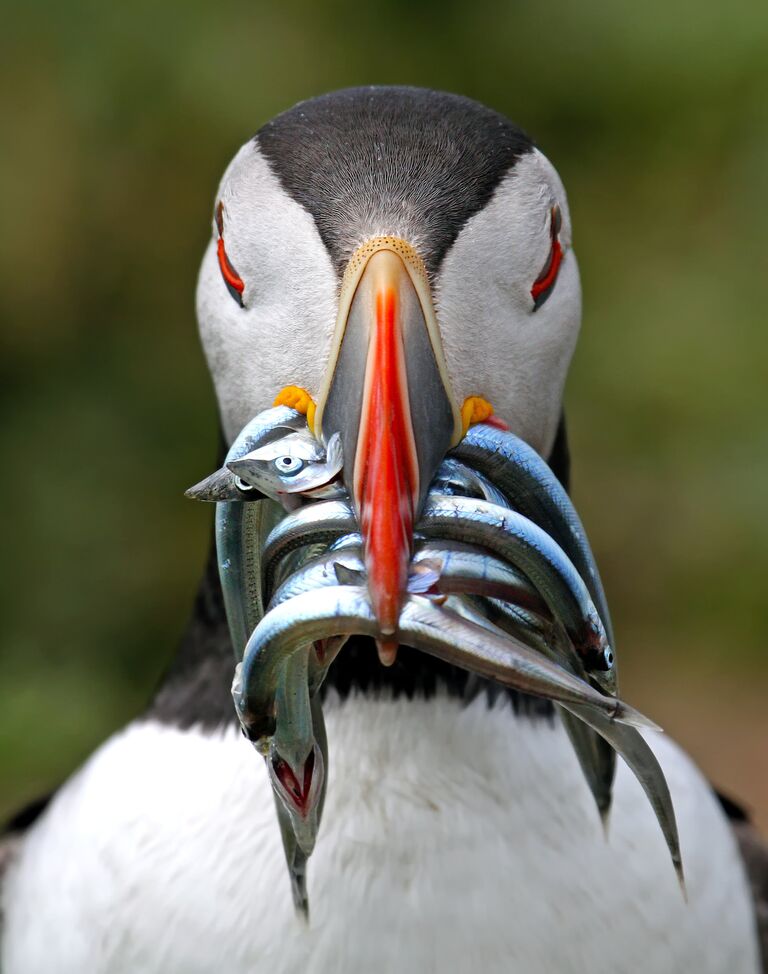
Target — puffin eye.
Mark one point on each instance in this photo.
(235, 284)
(545, 282)
(288, 466)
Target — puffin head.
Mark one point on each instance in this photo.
(396, 263)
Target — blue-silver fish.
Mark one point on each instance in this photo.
(516, 539)
(531, 488)
(294, 467)
(346, 610)
(223, 485)
(297, 756)
(621, 738)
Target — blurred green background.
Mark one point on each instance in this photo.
(117, 121)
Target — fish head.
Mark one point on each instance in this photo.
(293, 464)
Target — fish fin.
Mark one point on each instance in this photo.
(296, 862)
(334, 454)
(624, 714)
(596, 758)
(637, 753)
(424, 576)
(348, 576)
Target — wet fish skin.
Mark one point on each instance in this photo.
(295, 762)
(352, 540)
(457, 479)
(629, 743)
(596, 757)
(241, 530)
(319, 523)
(297, 622)
(465, 570)
(223, 485)
(459, 568)
(516, 539)
(500, 657)
(318, 573)
(598, 760)
(292, 728)
(294, 464)
(295, 860)
(531, 488)
(240, 533)
(346, 609)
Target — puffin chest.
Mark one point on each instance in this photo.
(446, 825)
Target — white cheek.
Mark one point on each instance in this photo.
(283, 334)
(495, 345)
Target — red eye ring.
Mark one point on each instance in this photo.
(235, 284)
(545, 282)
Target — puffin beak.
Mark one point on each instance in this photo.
(387, 394)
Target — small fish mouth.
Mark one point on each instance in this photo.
(299, 786)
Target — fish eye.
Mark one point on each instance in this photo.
(242, 485)
(288, 466)
(545, 282)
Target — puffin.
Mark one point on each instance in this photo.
(458, 833)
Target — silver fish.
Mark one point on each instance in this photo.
(297, 759)
(620, 738)
(241, 530)
(352, 540)
(518, 540)
(455, 478)
(630, 744)
(532, 489)
(317, 573)
(596, 757)
(345, 610)
(319, 523)
(463, 569)
(223, 485)
(299, 814)
(295, 464)
(453, 568)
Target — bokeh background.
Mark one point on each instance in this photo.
(117, 121)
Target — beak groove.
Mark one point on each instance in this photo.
(387, 394)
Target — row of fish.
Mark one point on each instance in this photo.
(502, 583)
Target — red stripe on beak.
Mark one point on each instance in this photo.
(386, 481)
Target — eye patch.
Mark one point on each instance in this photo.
(235, 284)
(545, 282)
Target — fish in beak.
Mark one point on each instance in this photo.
(387, 394)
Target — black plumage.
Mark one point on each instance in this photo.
(405, 161)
